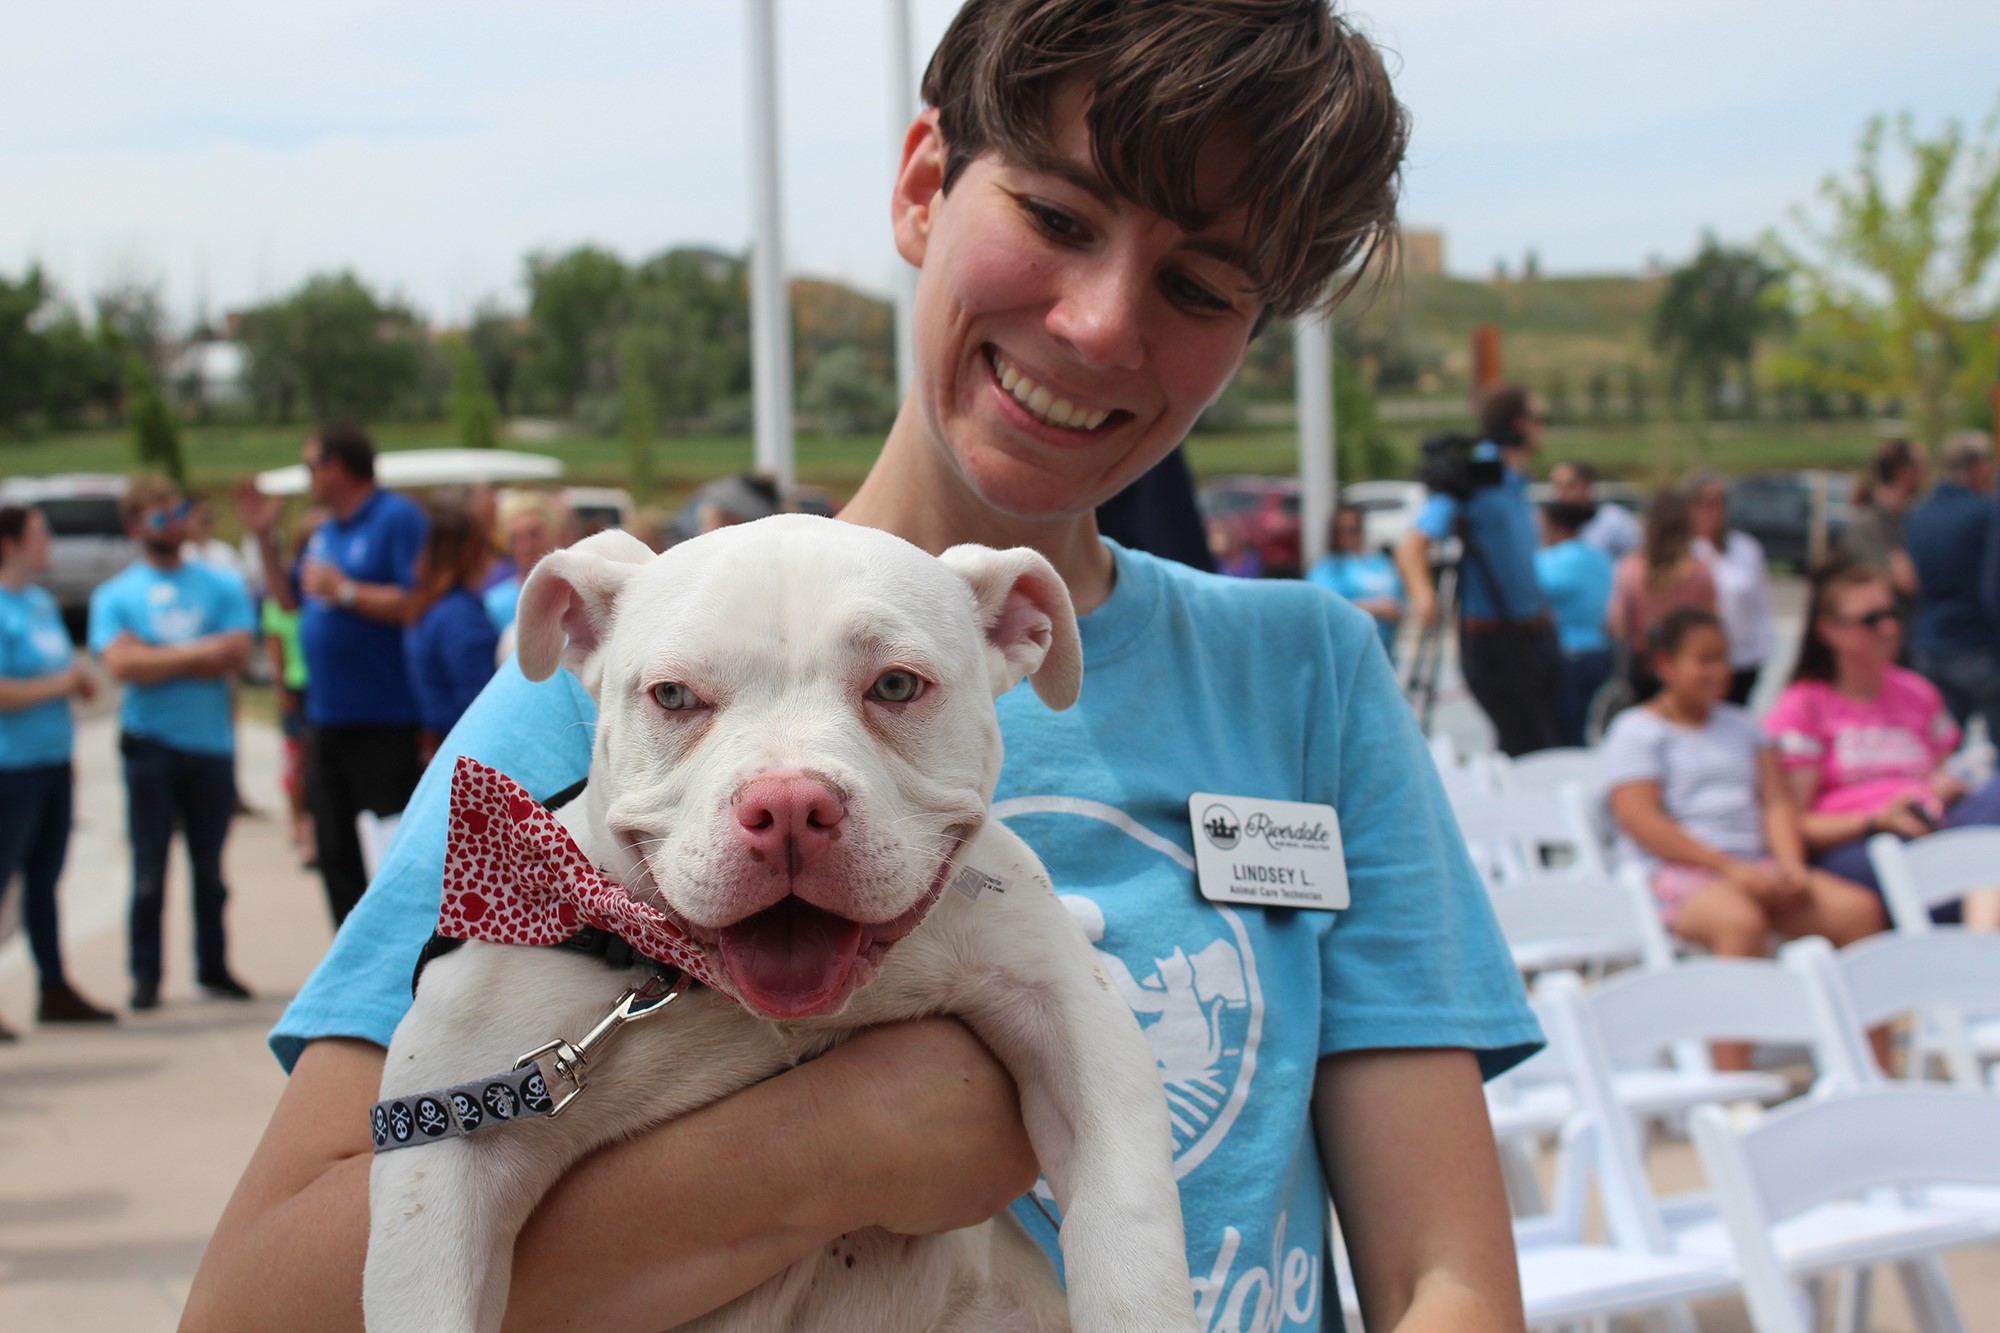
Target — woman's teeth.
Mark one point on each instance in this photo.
(1042, 405)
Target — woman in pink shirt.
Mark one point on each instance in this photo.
(1863, 740)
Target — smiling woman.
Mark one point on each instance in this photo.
(1105, 199)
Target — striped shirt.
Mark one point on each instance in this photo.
(1707, 777)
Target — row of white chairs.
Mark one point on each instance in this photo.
(1797, 1195)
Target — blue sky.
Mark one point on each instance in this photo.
(231, 148)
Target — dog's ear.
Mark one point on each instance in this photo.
(1024, 612)
(569, 597)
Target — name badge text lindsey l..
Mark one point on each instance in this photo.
(1268, 853)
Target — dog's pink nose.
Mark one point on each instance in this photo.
(789, 819)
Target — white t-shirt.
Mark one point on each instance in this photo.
(1742, 596)
(1707, 777)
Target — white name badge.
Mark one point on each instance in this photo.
(1268, 853)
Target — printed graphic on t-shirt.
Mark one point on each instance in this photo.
(1194, 987)
(1863, 754)
(49, 644)
(171, 619)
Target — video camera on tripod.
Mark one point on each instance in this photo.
(1452, 465)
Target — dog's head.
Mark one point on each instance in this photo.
(796, 733)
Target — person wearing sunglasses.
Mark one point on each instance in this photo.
(1863, 741)
(174, 633)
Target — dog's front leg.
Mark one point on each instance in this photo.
(443, 1215)
(1092, 1103)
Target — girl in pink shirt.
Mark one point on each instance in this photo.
(1863, 740)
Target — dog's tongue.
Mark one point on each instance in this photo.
(789, 960)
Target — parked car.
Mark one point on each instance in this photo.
(1777, 509)
(1388, 510)
(1267, 510)
(89, 543)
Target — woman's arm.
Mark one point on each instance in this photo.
(1636, 806)
(913, 1127)
(33, 691)
(1409, 1158)
(1823, 828)
(1781, 813)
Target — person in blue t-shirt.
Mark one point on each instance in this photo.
(39, 674)
(1366, 578)
(1575, 576)
(354, 591)
(174, 633)
(1506, 639)
(1069, 333)
(450, 645)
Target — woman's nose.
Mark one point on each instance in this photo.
(1099, 317)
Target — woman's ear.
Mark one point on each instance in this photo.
(919, 187)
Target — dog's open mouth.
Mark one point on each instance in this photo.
(791, 959)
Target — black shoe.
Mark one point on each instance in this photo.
(222, 986)
(61, 1004)
(145, 995)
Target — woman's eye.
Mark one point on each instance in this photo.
(1055, 222)
(675, 697)
(896, 687)
(1191, 293)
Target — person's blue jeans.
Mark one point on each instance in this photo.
(163, 787)
(34, 841)
(1583, 675)
(1980, 806)
(1970, 684)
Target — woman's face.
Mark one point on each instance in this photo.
(1710, 511)
(1349, 532)
(1698, 670)
(31, 551)
(1861, 627)
(1067, 339)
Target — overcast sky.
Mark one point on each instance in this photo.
(232, 147)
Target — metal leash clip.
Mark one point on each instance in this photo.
(571, 1061)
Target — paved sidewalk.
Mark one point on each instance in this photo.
(119, 1146)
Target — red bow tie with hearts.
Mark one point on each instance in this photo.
(513, 875)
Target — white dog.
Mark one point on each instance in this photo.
(795, 748)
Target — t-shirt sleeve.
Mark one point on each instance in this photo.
(1417, 958)
(1632, 750)
(1941, 732)
(233, 611)
(1436, 518)
(538, 734)
(1792, 726)
(106, 620)
(406, 539)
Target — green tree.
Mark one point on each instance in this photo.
(1714, 312)
(474, 414)
(575, 307)
(155, 441)
(638, 419)
(334, 348)
(695, 304)
(1893, 277)
(847, 395)
(499, 340)
(51, 366)
(1361, 447)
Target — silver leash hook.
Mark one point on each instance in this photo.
(572, 1059)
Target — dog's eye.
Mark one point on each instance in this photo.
(675, 697)
(896, 687)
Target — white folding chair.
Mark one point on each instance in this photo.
(1547, 770)
(1567, 919)
(1823, 1157)
(1643, 1013)
(1510, 832)
(1925, 873)
(1940, 975)
(1930, 871)
(376, 832)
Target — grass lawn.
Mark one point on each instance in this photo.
(218, 455)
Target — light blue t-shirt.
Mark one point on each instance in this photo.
(1192, 682)
(1576, 578)
(33, 642)
(1360, 578)
(164, 608)
(1500, 526)
(501, 600)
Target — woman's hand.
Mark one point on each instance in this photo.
(1904, 817)
(1947, 787)
(82, 681)
(1768, 885)
(945, 1146)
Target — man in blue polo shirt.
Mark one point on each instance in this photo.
(354, 586)
(174, 633)
(1957, 639)
(1507, 647)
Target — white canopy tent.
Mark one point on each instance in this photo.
(407, 468)
(770, 298)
